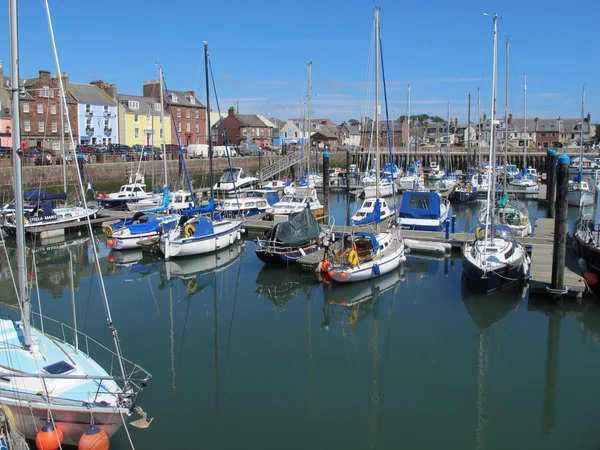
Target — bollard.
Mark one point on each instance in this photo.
(453, 223)
(551, 183)
(447, 228)
(560, 224)
(326, 187)
(347, 170)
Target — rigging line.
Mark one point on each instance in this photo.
(387, 121)
(235, 296)
(110, 323)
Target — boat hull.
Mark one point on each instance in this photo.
(580, 198)
(116, 204)
(284, 259)
(499, 278)
(131, 242)
(201, 245)
(367, 271)
(463, 196)
(386, 190)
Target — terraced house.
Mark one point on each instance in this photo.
(96, 113)
(139, 121)
(188, 115)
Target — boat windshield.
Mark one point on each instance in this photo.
(228, 176)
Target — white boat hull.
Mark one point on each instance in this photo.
(221, 238)
(365, 271)
(386, 190)
(580, 198)
(131, 242)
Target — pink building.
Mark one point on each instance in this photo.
(5, 129)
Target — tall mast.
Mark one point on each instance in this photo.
(469, 131)
(377, 102)
(17, 176)
(408, 127)
(210, 148)
(447, 168)
(308, 107)
(491, 181)
(506, 115)
(525, 141)
(478, 126)
(581, 138)
(162, 124)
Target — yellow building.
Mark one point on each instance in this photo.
(139, 121)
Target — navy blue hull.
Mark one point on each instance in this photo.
(283, 259)
(463, 196)
(116, 204)
(498, 279)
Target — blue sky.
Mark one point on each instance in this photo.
(443, 49)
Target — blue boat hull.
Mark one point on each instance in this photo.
(283, 259)
(116, 204)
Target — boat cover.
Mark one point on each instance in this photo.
(39, 195)
(203, 226)
(299, 229)
(420, 205)
(503, 200)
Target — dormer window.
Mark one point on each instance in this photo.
(192, 100)
(173, 97)
(133, 104)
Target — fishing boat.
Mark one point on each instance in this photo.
(368, 207)
(50, 378)
(422, 210)
(233, 179)
(249, 203)
(495, 259)
(579, 192)
(364, 255)
(133, 191)
(288, 241)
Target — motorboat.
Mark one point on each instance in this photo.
(387, 188)
(132, 192)
(232, 179)
(434, 172)
(368, 207)
(249, 203)
(579, 193)
(421, 210)
(180, 199)
(297, 201)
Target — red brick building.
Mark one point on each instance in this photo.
(188, 115)
(40, 113)
(242, 128)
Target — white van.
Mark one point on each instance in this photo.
(197, 150)
(220, 151)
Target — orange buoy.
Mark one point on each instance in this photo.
(342, 275)
(343, 302)
(94, 439)
(99, 195)
(49, 437)
(331, 302)
(331, 273)
(325, 265)
(106, 196)
(111, 258)
(590, 278)
(110, 242)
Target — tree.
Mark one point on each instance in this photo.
(354, 122)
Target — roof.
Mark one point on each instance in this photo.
(184, 99)
(266, 121)
(146, 104)
(250, 120)
(88, 93)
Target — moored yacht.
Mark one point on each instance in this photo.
(368, 207)
(249, 203)
(233, 179)
(421, 210)
(131, 192)
(291, 204)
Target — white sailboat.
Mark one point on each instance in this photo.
(579, 193)
(44, 378)
(363, 255)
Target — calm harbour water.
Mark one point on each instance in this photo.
(251, 357)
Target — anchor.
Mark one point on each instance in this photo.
(143, 422)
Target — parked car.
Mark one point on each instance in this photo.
(247, 149)
(5, 152)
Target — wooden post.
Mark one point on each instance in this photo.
(347, 170)
(551, 183)
(560, 223)
(326, 187)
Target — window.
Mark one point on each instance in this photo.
(157, 107)
(27, 125)
(40, 126)
(106, 123)
(25, 107)
(197, 128)
(66, 126)
(136, 133)
(161, 134)
(197, 114)
(553, 134)
(187, 127)
(44, 92)
(244, 131)
(178, 112)
(40, 107)
(133, 104)
(56, 146)
(197, 139)
(136, 118)
(53, 126)
(179, 127)
(88, 123)
(173, 98)
(187, 113)
(543, 134)
(88, 108)
(105, 109)
(192, 100)
(53, 108)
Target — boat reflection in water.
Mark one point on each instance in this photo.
(358, 298)
(280, 285)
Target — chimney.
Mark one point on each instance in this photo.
(192, 93)
(152, 89)
(510, 118)
(65, 80)
(589, 116)
(231, 111)
(44, 75)
(109, 88)
(484, 118)
(1, 76)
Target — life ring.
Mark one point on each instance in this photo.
(479, 233)
(525, 220)
(353, 317)
(353, 258)
(189, 230)
(469, 188)
(10, 418)
(108, 230)
(191, 285)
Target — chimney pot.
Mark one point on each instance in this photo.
(231, 111)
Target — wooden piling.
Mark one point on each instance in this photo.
(551, 182)
(560, 224)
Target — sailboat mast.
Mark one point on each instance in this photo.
(506, 115)
(162, 124)
(377, 102)
(447, 168)
(308, 107)
(491, 170)
(478, 126)
(17, 176)
(469, 130)
(581, 137)
(210, 148)
(408, 128)
(525, 142)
